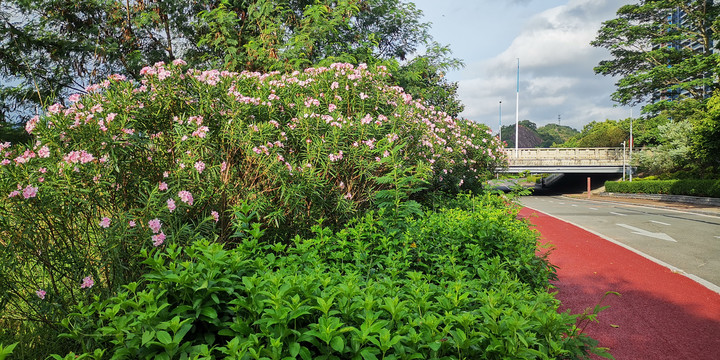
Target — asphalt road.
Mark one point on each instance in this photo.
(686, 242)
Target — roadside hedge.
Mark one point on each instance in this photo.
(376, 289)
(709, 188)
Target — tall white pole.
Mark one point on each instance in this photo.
(517, 109)
(632, 142)
(500, 123)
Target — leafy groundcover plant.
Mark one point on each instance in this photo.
(461, 283)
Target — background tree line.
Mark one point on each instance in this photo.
(665, 55)
(50, 49)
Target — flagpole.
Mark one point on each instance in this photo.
(517, 108)
(631, 142)
(500, 123)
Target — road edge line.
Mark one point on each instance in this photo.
(710, 286)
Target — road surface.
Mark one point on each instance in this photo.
(686, 242)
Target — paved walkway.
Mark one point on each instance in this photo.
(659, 314)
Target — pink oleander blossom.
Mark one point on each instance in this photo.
(104, 222)
(171, 205)
(132, 223)
(163, 186)
(186, 197)
(199, 166)
(44, 152)
(30, 192)
(87, 282)
(215, 215)
(31, 124)
(155, 225)
(158, 239)
(41, 294)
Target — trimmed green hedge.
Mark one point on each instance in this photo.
(710, 188)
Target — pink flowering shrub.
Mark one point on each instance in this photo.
(184, 147)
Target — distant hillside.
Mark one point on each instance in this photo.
(555, 134)
(530, 136)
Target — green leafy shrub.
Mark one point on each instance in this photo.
(366, 292)
(709, 188)
(135, 165)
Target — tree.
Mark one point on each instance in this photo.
(657, 56)
(599, 134)
(50, 49)
(424, 78)
(706, 139)
(673, 152)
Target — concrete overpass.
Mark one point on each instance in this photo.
(567, 160)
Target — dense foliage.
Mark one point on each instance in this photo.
(132, 166)
(51, 49)
(457, 283)
(656, 55)
(709, 188)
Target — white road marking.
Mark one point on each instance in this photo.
(593, 209)
(659, 222)
(661, 236)
(619, 214)
(573, 205)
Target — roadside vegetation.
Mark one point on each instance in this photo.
(213, 214)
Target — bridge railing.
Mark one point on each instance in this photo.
(567, 157)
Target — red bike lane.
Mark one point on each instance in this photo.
(659, 314)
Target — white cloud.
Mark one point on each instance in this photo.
(556, 71)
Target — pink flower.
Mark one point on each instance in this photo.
(105, 222)
(186, 197)
(179, 62)
(158, 239)
(86, 157)
(31, 124)
(54, 108)
(29, 192)
(13, 194)
(74, 98)
(5, 162)
(171, 205)
(163, 186)
(199, 166)
(44, 152)
(132, 223)
(215, 215)
(223, 166)
(87, 283)
(40, 293)
(155, 225)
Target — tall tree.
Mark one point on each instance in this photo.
(52, 48)
(661, 49)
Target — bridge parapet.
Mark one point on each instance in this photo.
(566, 157)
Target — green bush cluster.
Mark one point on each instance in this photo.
(182, 147)
(456, 283)
(709, 188)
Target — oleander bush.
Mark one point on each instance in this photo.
(375, 289)
(134, 165)
(709, 188)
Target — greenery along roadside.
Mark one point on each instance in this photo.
(140, 165)
(461, 283)
(709, 188)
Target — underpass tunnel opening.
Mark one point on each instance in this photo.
(576, 183)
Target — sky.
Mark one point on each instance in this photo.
(551, 39)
